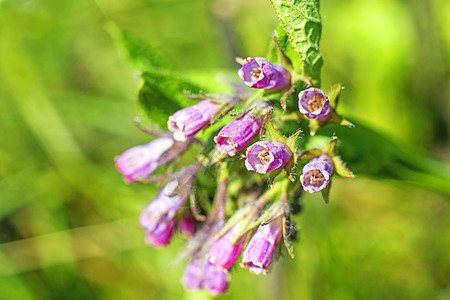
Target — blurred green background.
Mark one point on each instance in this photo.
(68, 223)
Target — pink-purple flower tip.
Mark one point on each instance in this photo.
(158, 218)
(193, 275)
(216, 279)
(161, 235)
(208, 276)
(260, 73)
(317, 173)
(187, 225)
(314, 104)
(235, 135)
(226, 250)
(263, 157)
(140, 161)
(186, 122)
(259, 252)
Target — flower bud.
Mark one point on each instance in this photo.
(161, 235)
(260, 73)
(140, 161)
(193, 275)
(226, 250)
(259, 252)
(210, 277)
(235, 135)
(187, 225)
(186, 122)
(317, 173)
(158, 218)
(263, 157)
(216, 279)
(314, 104)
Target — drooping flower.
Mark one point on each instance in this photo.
(187, 225)
(186, 122)
(226, 250)
(158, 218)
(260, 73)
(263, 157)
(314, 104)
(162, 234)
(140, 161)
(216, 279)
(259, 252)
(213, 278)
(193, 275)
(316, 173)
(235, 135)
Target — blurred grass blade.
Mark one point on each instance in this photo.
(83, 242)
(139, 55)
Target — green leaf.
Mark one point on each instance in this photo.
(334, 118)
(302, 23)
(341, 169)
(283, 59)
(140, 55)
(285, 95)
(326, 193)
(309, 154)
(292, 141)
(273, 174)
(275, 135)
(333, 95)
(287, 233)
(330, 147)
(274, 211)
(161, 95)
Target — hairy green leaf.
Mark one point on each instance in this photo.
(274, 211)
(275, 134)
(301, 21)
(161, 95)
(333, 95)
(341, 168)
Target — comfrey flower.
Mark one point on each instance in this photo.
(226, 250)
(263, 157)
(260, 73)
(187, 225)
(314, 104)
(216, 279)
(186, 122)
(259, 252)
(140, 161)
(193, 275)
(210, 277)
(235, 135)
(317, 173)
(158, 218)
(162, 234)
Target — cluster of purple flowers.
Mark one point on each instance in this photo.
(215, 248)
